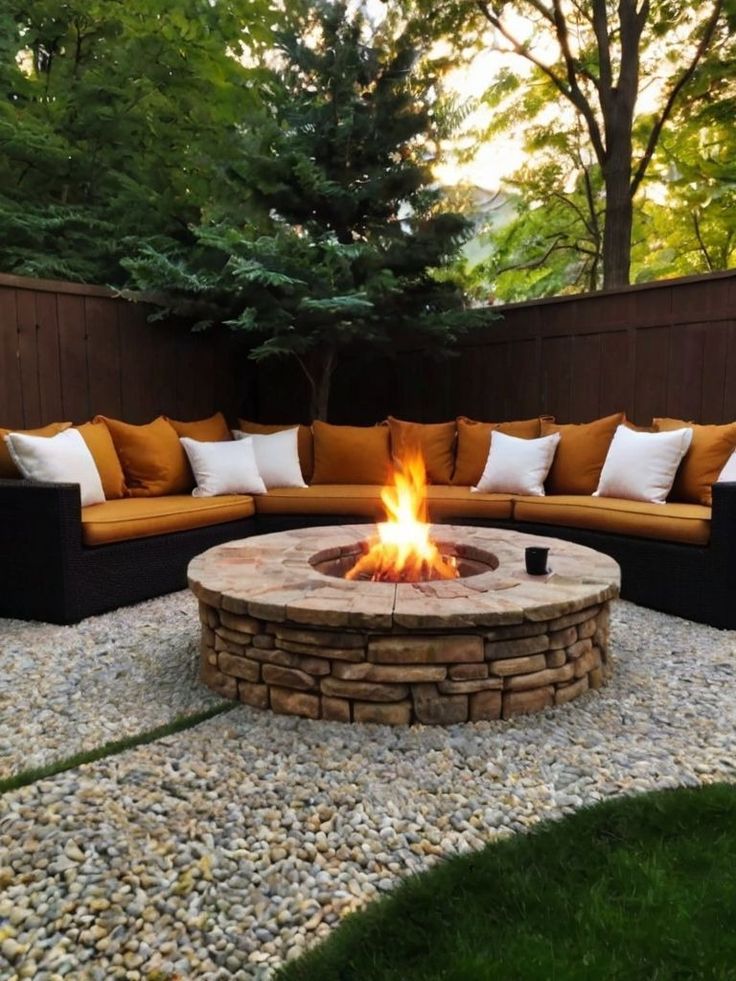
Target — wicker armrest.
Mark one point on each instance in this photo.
(723, 531)
(40, 543)
(37, 514)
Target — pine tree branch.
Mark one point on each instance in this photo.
(677, 88)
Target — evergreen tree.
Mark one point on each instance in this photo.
(328, 230)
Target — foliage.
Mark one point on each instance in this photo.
(636, 888)
(327, 231)
(615, 76)
(116, 119)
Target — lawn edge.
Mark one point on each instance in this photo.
(27, 777)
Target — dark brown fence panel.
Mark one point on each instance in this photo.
(74, 377)
(668, 348)
(68, 352)
(11, 399)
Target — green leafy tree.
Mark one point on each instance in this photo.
(115, 119)
(690, 228)
(329, 231)
(593, 61)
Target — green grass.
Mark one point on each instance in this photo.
(26, 777)
(637, 888)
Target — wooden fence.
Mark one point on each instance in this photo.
(667, 348)
(68, 352)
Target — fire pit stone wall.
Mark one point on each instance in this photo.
(279, 635)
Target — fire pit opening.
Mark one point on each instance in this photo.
(403, 549)
(342, 563)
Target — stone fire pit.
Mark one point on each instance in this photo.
(282, 630)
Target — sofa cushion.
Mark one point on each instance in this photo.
(688, 524)
(61, 459)
(643, 466)
(99, 442)
(142, 517)
(8, 469)
(364, 500)
(434, 440)
(152, 457)
(474, 442)
(305, 441)
(448, 503)
(351, 454)
(360, 500)
(211, 430)
(710, 449)
(581, 453)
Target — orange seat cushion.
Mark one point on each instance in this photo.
(99, 442)
(351, 454)
(449, 503)
(305, 441)
(474, 443)
(364, 501)
(687, 524)
(360, 500)
(211, 430)
(709, 450)
(152, 457)
(143, 517)
(580, 454)
(8, 469)
(435, 441)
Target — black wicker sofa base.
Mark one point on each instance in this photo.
(46, 573)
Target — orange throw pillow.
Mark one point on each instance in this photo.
(99, 442)
(305, 441)
(8, 469)
(212, 430)
(581, 453)
(153, 460)
(434, 440)
(710, 448)
(474, 443)
(351, 454)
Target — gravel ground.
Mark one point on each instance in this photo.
(67, 689)
(223, 850)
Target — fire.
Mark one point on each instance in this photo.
(403, 551)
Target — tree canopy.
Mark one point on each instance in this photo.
(140, 127)
(116, 120)
(600, 98)
(328, 230)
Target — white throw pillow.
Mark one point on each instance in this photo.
(642, 466)
(728, 474)
(277, 456)
(223, 468)
(517, 466)
(61, 459)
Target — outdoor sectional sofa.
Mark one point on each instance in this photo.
(60, 562)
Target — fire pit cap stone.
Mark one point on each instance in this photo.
(272, 576)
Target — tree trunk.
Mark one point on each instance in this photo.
(619, 214)
(617, 232)
(318, 366)
(320, 397)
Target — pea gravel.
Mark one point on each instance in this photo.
(65, 690)
(228, 848)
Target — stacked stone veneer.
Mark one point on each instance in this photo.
(432, 677)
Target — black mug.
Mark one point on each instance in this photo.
(536, 560)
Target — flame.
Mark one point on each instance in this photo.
(404, 551)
